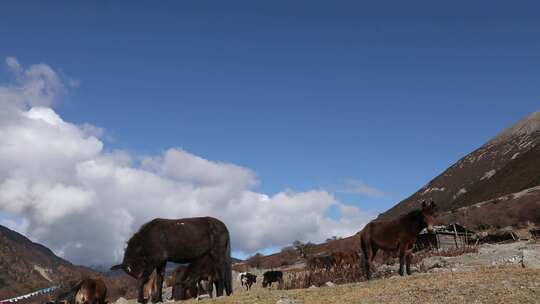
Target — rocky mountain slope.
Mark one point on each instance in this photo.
(26, 266)
(509, 163)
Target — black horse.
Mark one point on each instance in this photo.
(180, 241)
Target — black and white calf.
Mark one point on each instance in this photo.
(247, 279)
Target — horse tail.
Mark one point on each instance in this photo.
(228, 268)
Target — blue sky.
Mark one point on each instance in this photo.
(307, 94)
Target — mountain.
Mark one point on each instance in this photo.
(501, 170)
(26, 266)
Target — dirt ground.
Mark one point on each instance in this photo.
(502, 273)
(498, 284)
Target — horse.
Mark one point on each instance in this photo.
(203, 274)
(399, 234)
(86, 291)
(150, 288)
(91, 291)
(180, 241)
(180, 292)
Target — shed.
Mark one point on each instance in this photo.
(445, 237)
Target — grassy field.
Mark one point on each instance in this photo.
(509, 284)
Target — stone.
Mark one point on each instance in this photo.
(330, 284)
(289, 301)
(531, 259)
(121, 301)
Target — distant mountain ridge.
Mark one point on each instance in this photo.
(508, 163)
(26, 266)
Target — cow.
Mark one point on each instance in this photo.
(247, 280)
(272, 276)
(180, 241)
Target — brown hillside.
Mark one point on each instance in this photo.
(507, 164)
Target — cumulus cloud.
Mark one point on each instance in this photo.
(63, 188)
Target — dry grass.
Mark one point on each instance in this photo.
(508, 284)
(305, 279)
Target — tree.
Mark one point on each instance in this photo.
(333, 238)
(304, 249)
(256, 260)
(288, 249)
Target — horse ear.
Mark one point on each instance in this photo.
(118, 267)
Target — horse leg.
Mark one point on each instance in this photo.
(140, 286)
(368, 257)
(219, 288)
(211, 286)
(408, 259)
(157, 297)
(401, 260)
(220, 283)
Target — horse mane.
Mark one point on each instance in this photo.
(136, 243)
(412, 215)
(135, 238)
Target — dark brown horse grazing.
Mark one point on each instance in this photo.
(203, 269)
(91, 291)
(180, 241)
(399, 234)
(180, 292)
(86, 291)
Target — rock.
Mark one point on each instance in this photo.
(434, 262)
(312, 287)
(121, 301)
(330, 284)
(531, 259)
(167, 293)
(289, 301)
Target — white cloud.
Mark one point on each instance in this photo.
(84, 202)
(359, 187)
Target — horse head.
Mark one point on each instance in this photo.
(428, 211)
(132, 270)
